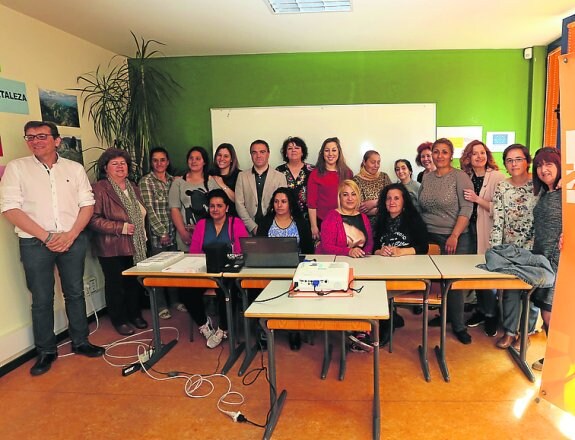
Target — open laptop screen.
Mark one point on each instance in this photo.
(270, 251)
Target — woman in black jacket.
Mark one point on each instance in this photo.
(399, 229)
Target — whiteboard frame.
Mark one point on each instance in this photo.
(394, 130)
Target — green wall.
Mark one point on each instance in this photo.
(490, 88)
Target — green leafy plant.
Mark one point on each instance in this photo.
(124, 102)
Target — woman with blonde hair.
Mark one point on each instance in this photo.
(345, 230)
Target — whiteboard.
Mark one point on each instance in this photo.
(394, 130)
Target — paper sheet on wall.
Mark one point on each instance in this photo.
(498, 141)
(460, 137)
(188, 265)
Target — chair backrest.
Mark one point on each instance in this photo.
(433, 249)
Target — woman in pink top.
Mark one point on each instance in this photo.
(323, 183)
(346, 231)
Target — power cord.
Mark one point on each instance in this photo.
(274, 297)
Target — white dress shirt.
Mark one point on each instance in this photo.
(52, 197)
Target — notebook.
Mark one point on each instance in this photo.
(270, 251)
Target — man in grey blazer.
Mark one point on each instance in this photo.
(256, 186)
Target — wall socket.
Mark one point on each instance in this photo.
(90, 285)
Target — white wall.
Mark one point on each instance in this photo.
(42, 57)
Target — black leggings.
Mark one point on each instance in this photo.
(193, 299)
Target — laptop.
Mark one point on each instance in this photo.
(270, 251)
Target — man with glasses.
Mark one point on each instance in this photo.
(49, 200)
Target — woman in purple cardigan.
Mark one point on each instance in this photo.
(345, 230)
(219, 227)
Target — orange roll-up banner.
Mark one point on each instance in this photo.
(558, 379)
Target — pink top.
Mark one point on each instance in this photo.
(333, 237)
(325, 184)
(239, 230)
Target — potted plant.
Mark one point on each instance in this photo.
(124, 102)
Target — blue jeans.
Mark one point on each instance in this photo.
(511, 303)
(39, 263)
(456, 298)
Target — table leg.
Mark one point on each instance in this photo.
(376, 402)
(422, 349)
(520, 358)
(327, 350)
(440, 351)
(342, 359)
(276, 404)
(160, 349)
(250, 350)
(235, 349)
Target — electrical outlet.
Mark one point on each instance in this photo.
(146, 355)
(90, 285)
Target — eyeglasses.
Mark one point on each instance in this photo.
(40, 137)
(513, 161)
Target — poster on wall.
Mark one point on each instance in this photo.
(71, 148)
(498, 141)
(60, 108)
(13, 97)
(460, 137)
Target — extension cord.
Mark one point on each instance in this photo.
(236, 416)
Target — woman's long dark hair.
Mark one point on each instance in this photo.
(342, 169)
(293, 206)
(410, 216)
(206, 166)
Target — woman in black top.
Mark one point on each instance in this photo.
(399, 229)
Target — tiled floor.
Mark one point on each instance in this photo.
(82, 398)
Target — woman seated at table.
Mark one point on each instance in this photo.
(284, 219)
(345, 230)
(399, 231)
(221, 228)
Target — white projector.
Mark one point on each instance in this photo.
(313, 276)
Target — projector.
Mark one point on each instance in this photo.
(313, 276)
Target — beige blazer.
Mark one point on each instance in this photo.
(484, 217)
(247, 195)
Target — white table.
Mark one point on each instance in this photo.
(410, 272)
(257, 278)
(152, 279)
(321, 313)
(460, 272)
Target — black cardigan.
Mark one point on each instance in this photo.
(415, 231)
(305, 239)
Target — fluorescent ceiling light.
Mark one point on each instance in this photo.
(304, 6)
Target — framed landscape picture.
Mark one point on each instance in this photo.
(60, 108)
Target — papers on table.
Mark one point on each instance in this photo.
(194, 264)
(161, 260)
